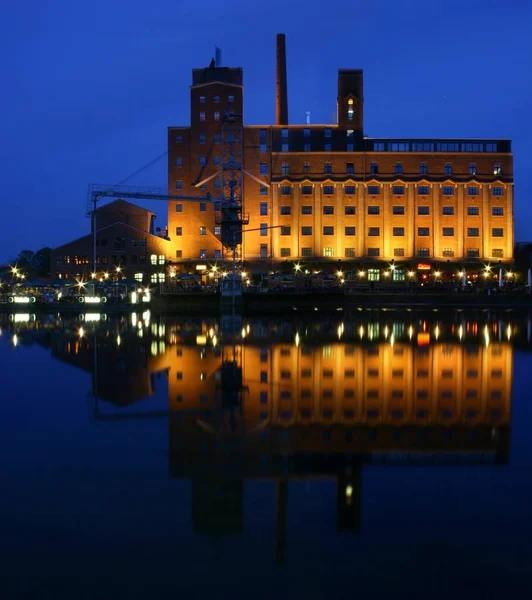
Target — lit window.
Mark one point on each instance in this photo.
(202, 115)
(217, 230)
(497, 170)
(162, 259)
(328, 251)
(472, 168)
(203, 230)
(217, 99)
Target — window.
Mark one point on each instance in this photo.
(306, 190)
(398, 231)
(374, 168)
(398, 275)
(350, 253)
(497, 211)
(496, 191)
(473, 252)
(284, 133)
(217, 230)
(423, 232)
(307, 147)
(374, 210)
(285, 252)
(306, 167)
(328, 133)
(286, 210)
(306, 230)
(398, 190)
(448, 190)
(327, 168)
(423, 190)
(378, 146)
(217, 115)
(306, 252)
(203, 207)
(328, 230)
(448, 231)
(472, 168)
(327, 147)
(472, 190)
(423, 210)
(179, 231)
(398, 168)
(497, 232)
(217, 184)
(263, 209)
(285, 169)
(179, 139)
(350, 231)
(178, 185)
(285, 230)
(350, 147)
(179, 208)
(216, 138)
(202, 99)
(263, 190)
(328, 190)
(138, 277)
(472, 211)
(448, 252)
(423, 252)
(497, 169)
(350, 190)
(328, 210)
(306, 210)
(178, 162)
(264, 229)
(264, 250)
(328, 251)
(203, 253)
(423, 168)
(153, 278)
(350, 168)
(217, 99)
(263, 148)
(373, 252)
(448, 169)
(398, 252)
(203, 230)
(350, 210)
(202, 139)
(497, 253)
(286, 190)
(217, 161)
(491, 147)
(162, 259)
(263, 169)
(306, 132)
(202, 115)
(447, 210)
(374, 190)
(230, 99)
(374, 231)
(284, 148)
(398, 210)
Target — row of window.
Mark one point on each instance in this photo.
(398, 209)
(216, 99)
(496, 232)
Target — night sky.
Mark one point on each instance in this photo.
(89, 88)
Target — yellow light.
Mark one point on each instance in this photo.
(224, 273)
(437, 332)
(437, 273)
(460, 333)
(392, 340)
(243, 332)
(297, 267)
(410, 332)
(509, 274)
(214, 269)
(297, 339)
(392, 267)
(118, 340)
(386, 332)
(201, 340)
(411, 273)
(386, 274)
(509, 332)
(211, 332)
(339, 274)
(349, 491)
(93, 275)
(214, 341)
(14, 270)
(248, 328)
(81, 332)
(460, 273)
(486, 274)
(106, 275)
(244, 274)
(118, 269)
(487, 336)
(15, 340)
(362, 273)
(342, 281)
(361, 332)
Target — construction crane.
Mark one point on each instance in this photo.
(98, 192)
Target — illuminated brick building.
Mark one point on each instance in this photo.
(334, 194)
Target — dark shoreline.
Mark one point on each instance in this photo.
(290, 302)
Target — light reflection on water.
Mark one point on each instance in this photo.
(325, 400)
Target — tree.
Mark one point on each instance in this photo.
(40, 262)
(25, 257)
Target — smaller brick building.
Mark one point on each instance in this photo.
(126, 242)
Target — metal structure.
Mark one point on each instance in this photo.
(98, 192)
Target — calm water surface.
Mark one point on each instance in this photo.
(372, 454)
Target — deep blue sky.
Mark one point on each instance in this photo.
(89, 88)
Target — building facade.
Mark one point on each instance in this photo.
(320, 194)
(127, 246)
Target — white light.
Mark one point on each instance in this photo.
(487, 336)
(134, 319)
(214, 341)
(211, 332)
(92, 299)
(349, 491)
(410, 332)
(118, 340)
(81, 332)
(509, 332)
(22, 318)
(386, 331)
(92, 317)
(243, 332)
(133, 297)
(437, 332)
(361, 332)
(21, 299)
(297, 339)
(460, 333)
(15, 340)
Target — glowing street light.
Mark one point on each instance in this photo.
(411, 273)
(362, 273)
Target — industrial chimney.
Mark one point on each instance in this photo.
(281, 99)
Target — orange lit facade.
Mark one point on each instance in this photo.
(333, 194)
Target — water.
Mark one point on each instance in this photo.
(368, 454)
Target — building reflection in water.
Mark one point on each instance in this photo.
(286, 400)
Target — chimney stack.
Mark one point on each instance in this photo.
(281, 99)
